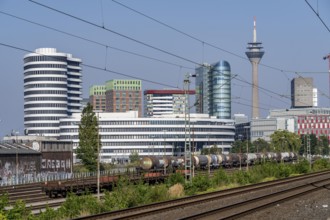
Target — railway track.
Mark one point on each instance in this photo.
(29, 193)
(234, 202)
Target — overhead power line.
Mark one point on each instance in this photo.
(92, 41)
(117, 33)
(214, 46)
(93, 67)
(156, 48)
(317, 14)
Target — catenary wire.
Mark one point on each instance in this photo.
(92, 41)
(317, 14)
(119, 34)
(156, 48)
(212, 45)
(93, 67)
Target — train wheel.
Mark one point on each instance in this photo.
(50, 194)
(64, 194)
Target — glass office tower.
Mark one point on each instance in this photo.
(213, 89)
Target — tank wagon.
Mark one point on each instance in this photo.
(216, 161)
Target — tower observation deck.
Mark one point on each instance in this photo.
(255, 54)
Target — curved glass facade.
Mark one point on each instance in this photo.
(220, 90)
(48, 88)
(213, 89)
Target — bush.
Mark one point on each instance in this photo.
(175, 178)
(241, 177)
(321, 164)
(284, 171)
(201, 183)
(158, 193)
(220, 178)
(301, 167)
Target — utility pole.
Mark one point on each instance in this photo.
(247, 147)
(187, 137)
(98, 157)
(308, 153)
(324, 58)
(165, 152)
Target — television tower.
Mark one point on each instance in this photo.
(255, 54)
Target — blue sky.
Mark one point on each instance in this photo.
(293, 37)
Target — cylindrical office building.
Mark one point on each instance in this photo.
(52, 90)
(219, 90)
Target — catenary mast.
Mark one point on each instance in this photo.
(255, 54)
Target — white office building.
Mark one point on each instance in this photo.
(164, 102)
(52, 90)
(124, 133)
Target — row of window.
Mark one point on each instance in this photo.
(163, 137)
(73, 63)
(32, 112)
(74, 89)
(60, 66)
(73, 83)
(72, 95)
(40, 132)
(177, 130)
(44, 72)
(53, 79)
(37, 125)
(152, 122)
(58, 92)
(45, 99)
(44, 58)
(31, 86)
(42, 118)
(44, 105)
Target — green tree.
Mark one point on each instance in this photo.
(88, 139)
(324, 143)
(237, 146)
(134, 157)
(283, 140)
(261, 145)
(205, 151)
(215, 150)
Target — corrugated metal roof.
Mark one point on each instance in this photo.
(13, 148)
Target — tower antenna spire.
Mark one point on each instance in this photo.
(255, 53)
(254, 30)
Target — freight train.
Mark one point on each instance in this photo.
(215, 161)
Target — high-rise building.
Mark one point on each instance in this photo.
(255, 54)
(164, 102)
(213, 90)
(97, 97)
(302, 93)
(123, 95)
(52, 90)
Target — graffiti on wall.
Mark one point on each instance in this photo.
(8, 168)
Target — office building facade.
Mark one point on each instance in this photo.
(97, 97)
(124, 133)
(213, 89)
(164, 102)
(302, 93)
(52, 90)
(123, 95)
